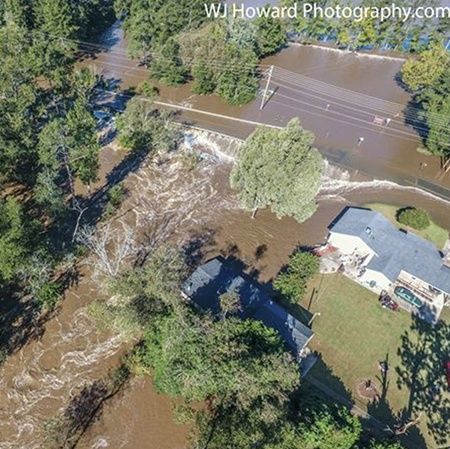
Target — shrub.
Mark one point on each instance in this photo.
(190, 160)
(48, 295)
(147, 89)
(414, 218)
(115, 197)
(292, 282)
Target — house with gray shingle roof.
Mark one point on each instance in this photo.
(390, 259)
(216, 277)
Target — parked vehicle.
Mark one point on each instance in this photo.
(387, 302)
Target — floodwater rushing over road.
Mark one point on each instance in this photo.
(195, 210)
(341, 96)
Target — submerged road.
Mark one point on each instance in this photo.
(353, 104)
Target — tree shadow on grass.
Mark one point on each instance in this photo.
(391, 422)
(322, 377)
(423, 352)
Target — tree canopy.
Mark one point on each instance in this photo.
(428, 77)
(291, 283)
(142, 127)
(279, 169)
(48, 135)
(409, 35)
(426, 69)
(435, 101)
(221, 55)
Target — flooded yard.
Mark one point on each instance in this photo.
(196, 211)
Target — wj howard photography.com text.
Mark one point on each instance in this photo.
(357, 13)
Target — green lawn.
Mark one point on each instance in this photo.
(352, 334)
(445, 315)
(434, 233)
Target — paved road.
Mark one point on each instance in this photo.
(339, 97)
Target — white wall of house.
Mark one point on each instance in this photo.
(349, 244)
(375, 281)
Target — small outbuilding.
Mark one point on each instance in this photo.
(218, 276)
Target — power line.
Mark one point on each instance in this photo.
(391, 131)
(341, 93)
(360, 110)
(290, 77)
(287, 76)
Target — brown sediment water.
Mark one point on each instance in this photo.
(166, 203)
(138, 418)
(339, 95)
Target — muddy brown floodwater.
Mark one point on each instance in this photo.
(194, 209)
(340, 96)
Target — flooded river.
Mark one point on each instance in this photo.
(197, 210)
(194, 209)
(340, 96)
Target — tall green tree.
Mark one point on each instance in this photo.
(427, 69)
(143, 128)
(19, 12)
(323, 431)
(20, 112)
(204, 77)
(166, 64)
(250, 362)
(435, 101)
(293, 281)
(149, 23)
(270, 35)
(69, 145)
(237, 83)
(279, 169)
(18, 237)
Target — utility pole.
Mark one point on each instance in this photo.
(263, 100)
(313, 317)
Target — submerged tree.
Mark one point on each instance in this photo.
(238, 83)
(279, 169)
(143, 128)
(166, 64)
(435, 101)
(427, 69)
(270, 35)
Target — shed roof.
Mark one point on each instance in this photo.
(216, 277)
(295, 334)
(210, 280)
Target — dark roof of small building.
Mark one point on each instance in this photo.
(210, 280)
(294, 333)
(214, 278)
(395, 249)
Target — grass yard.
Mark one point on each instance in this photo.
(352, 334)
(445, 315)
(434, 233)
